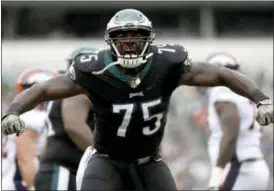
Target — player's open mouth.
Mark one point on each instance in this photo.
(130, 56)
(130, 53)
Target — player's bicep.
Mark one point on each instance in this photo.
(75, 111)
(200, 74)
(62, 86)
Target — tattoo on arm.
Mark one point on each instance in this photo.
(230, 124)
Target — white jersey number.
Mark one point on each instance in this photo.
(147, 116)
(93, 55)
(123, 127)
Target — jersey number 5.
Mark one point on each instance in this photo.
(147, 116)
(89, 57)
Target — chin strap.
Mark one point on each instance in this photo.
(118, 63)
(105, 68)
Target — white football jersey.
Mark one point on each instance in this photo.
(36, 121)
(249, 138)
(8, 162)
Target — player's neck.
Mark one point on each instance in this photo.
(133, 73)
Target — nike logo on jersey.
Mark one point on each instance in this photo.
(131, 95)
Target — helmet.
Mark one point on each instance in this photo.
(78, 51)
(129, 34)
(31, 77)
(223, 59)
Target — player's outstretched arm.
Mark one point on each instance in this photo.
(202, 74)
(56, 88)
(230, 123)
(75, 113)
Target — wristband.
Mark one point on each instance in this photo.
(6, 114)
(257, 96)
(265, 102)
(15, 108)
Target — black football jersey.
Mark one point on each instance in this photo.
(129, 118)
(60, 149)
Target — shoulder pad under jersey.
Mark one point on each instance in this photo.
(86, 62)
(83, 50)
(173, 53)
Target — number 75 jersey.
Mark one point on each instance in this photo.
(130, 114)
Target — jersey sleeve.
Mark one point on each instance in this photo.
(83, 50)
(174, 53)
(80, 70)
(185, 62)
(179, 57)
(75, 73)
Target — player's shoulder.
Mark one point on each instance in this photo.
(88, 60)
(173, 53)
(82, 50)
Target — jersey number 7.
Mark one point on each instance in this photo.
(147, 116)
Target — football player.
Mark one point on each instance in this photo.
(8, 162)
(130, 86)
(29, 146)
(234, 145)
(69, 123)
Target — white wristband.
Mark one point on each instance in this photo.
(217, 176)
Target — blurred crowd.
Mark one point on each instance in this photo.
(56, 20)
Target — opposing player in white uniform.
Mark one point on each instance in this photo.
(24, 151)
(8, 162)
(234, 144)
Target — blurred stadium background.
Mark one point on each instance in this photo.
(42, 34)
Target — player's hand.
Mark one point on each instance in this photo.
(265, 114)
(12, 124)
